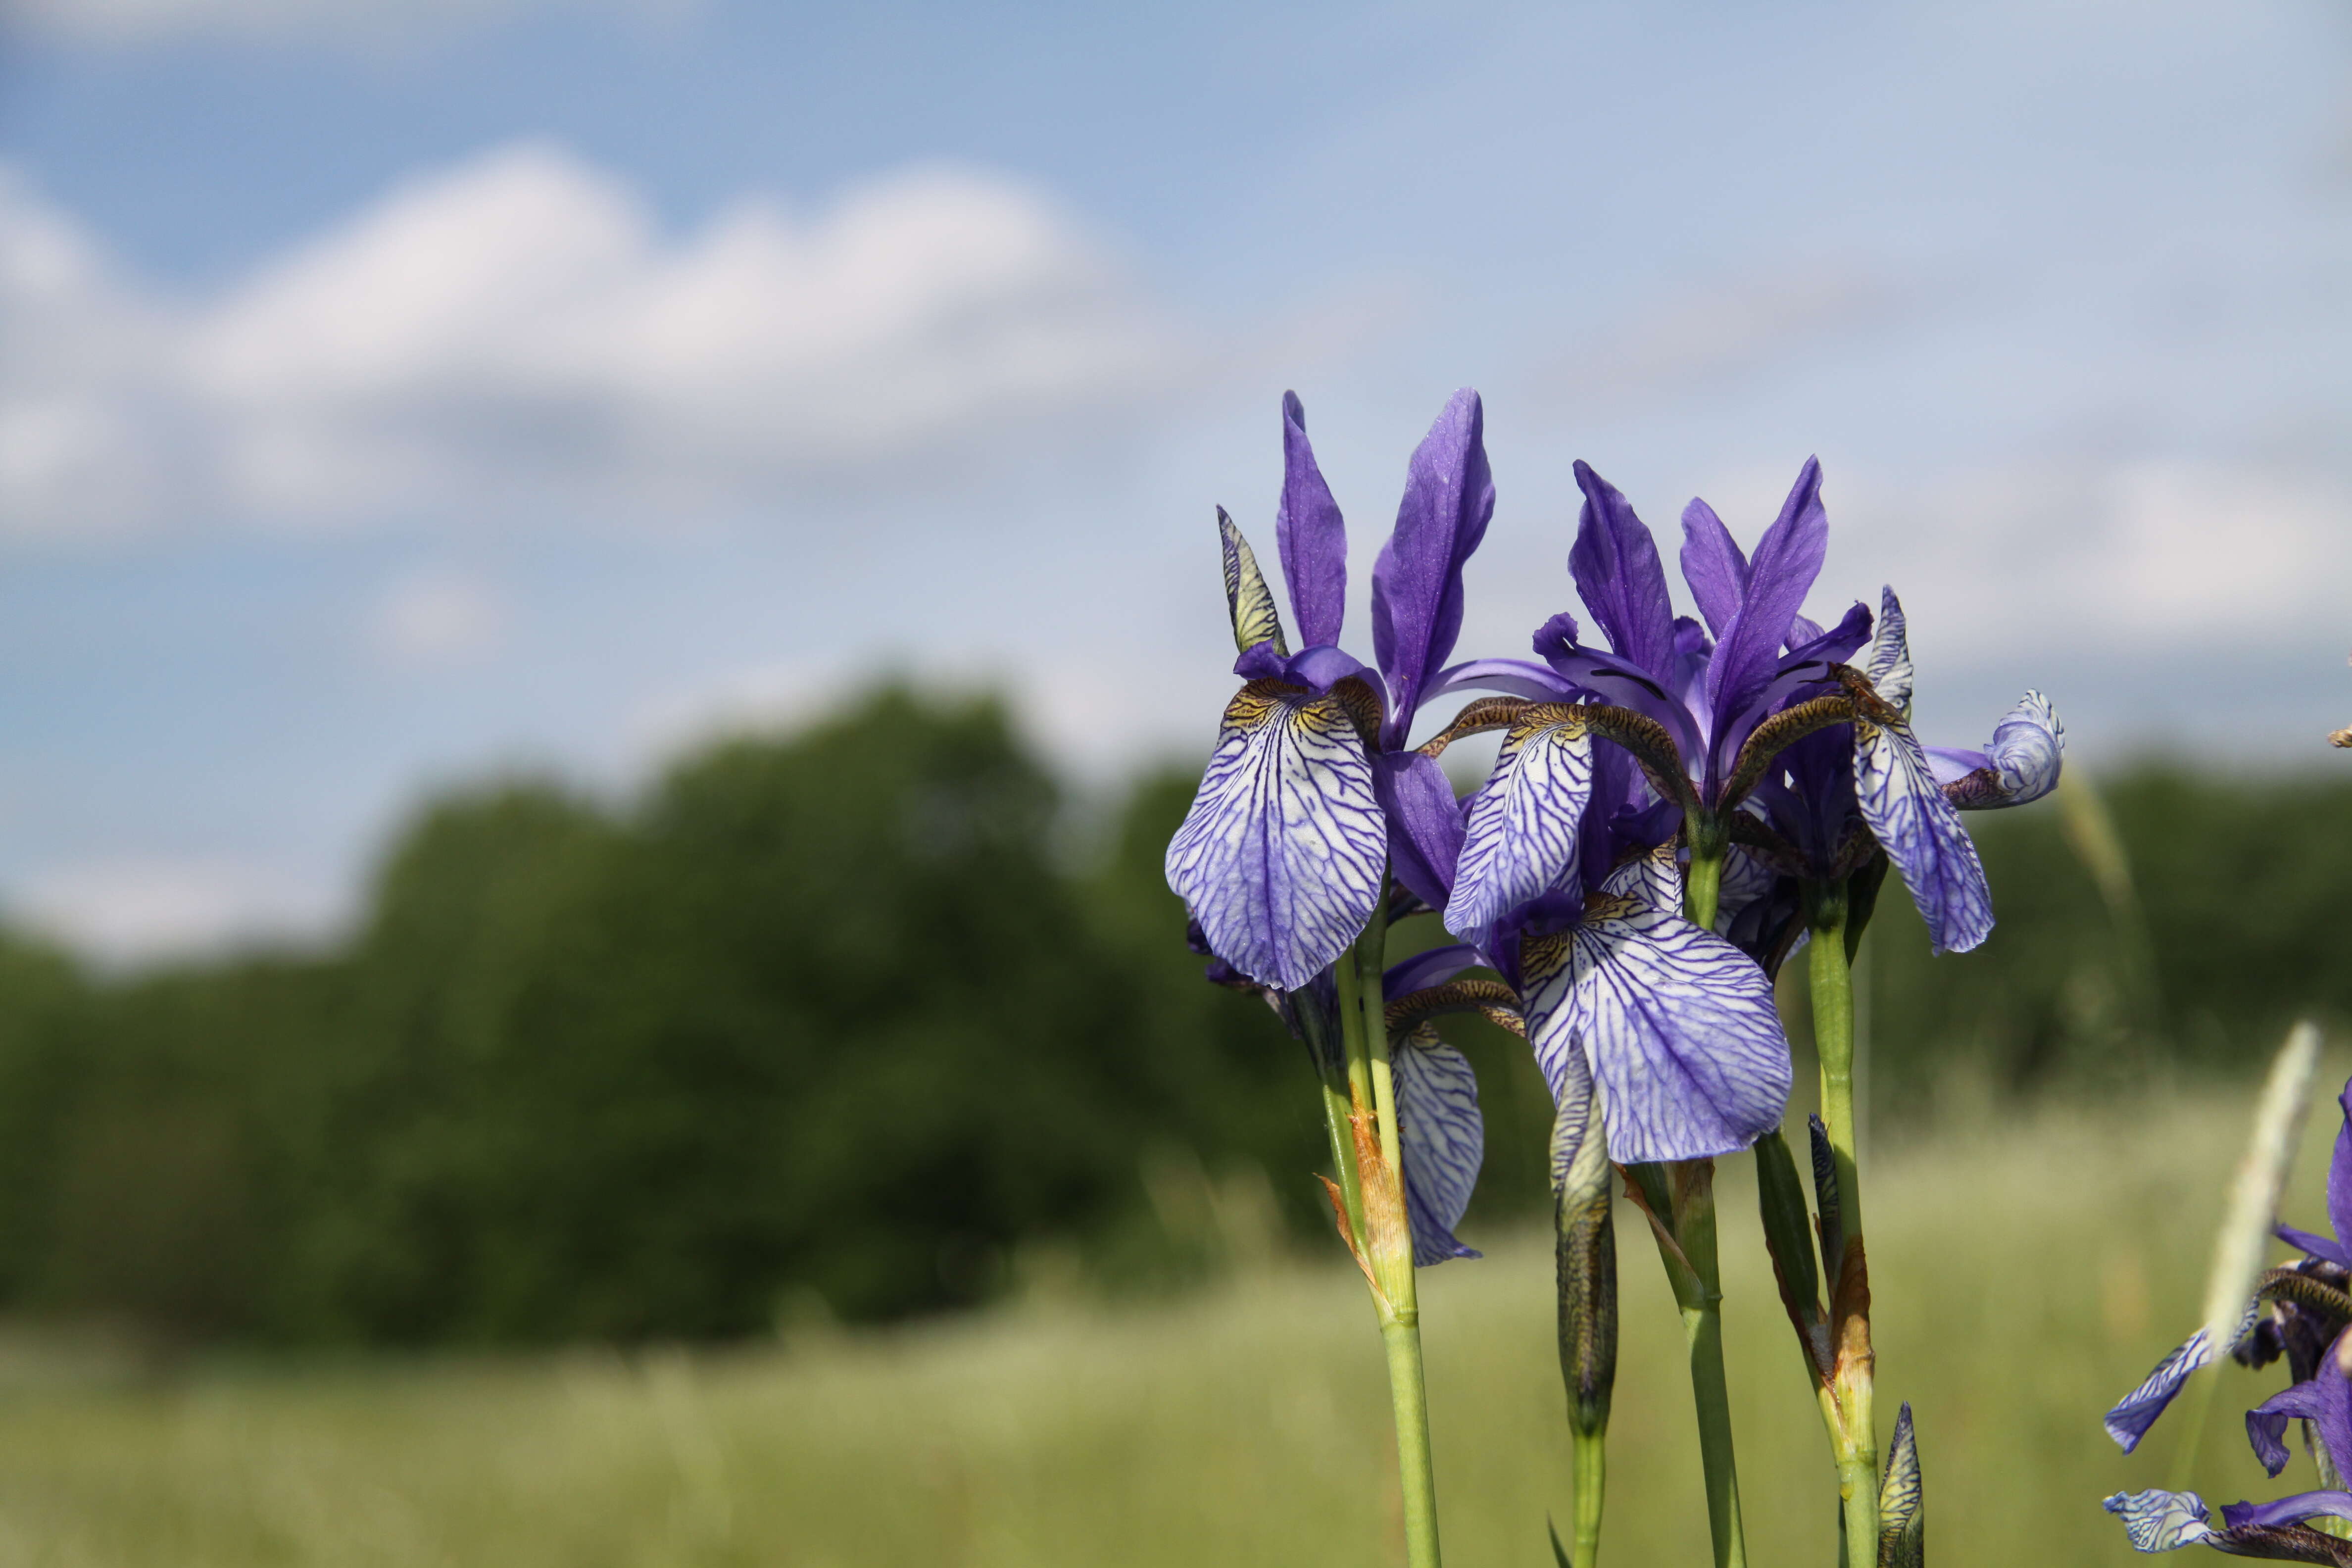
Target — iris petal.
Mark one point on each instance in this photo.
(1921, 833)
(1281, 857)
(2160, 1520)
(2136, 1412)
(2021, 763)
(1888, 661)
(1247, 598)
(1521, 839)
(1678, 1028)
(2266, 1422)
(1309, 533)
(1442, 1138)
(2286, 1511)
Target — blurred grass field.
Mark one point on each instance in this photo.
(2027, 1273)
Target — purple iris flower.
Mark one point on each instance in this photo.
(1560, 884)
(2301, 1311)
(1832, 800)
(1310, 798)
(1819, 802)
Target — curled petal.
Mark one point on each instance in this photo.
(2266, 1422)
(1442, 1138)
(1423, 970)
(1521, 839)
(2020, 764)
(1312, 537)
(1280, 858)
(1887, 662)
(2161, 1521)
(1652, 881)
(2136, 1412)
(1921, 833)
(1677, 1025)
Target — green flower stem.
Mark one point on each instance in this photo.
(1385, 1235)
(1334, 1085)
(1590, 1451)
(1695, 1275)
(1855, 1436)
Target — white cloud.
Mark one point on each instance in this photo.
(438, 620)
(369, 22)
(519, 330)
(140, 909)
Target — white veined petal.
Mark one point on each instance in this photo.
(2023, 760)
(1520, 841)
(1281, 857)
(1654, 881)
(1545, 977)
(1684, 1039)
(1442, 1139)
(1745, 879)
(2136, 1412)
(1887, 661)
(2160, 1520)
(1247, 598)
(1920, 831)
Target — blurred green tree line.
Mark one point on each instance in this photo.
(854, 1020)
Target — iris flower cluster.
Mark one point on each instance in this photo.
(1675, 804)
(2299, 1313)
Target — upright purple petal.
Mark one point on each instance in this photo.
(2339, 1176)
(1616, 565)
(1788, 559)
(1280, 857)
(1521, 839)
(2161, 1520)
(1677, 1025)
(1713, 564)
(2315, 1246)
(1424, 822)
(1312, 537)
(1449, 495)
(1804, 671)
(1442, 1139)
(1921, 833)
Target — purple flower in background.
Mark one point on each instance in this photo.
(2300, 1312)
(1309, 795)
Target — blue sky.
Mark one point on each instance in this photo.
(399, 393)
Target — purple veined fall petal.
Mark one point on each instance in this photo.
(1713, 564)
(1522, 836)
(2330, 1504)
(2020, 764)
(1424, 822)
(1616, 565)
(1745, 879)
(1312, 535)
(1281, 855)
(1247, 599)
(1788, 558)
(2161, 1520)
(1449, 495)
(2136, 1412)
(1676, 1025)
(1887, 661)
(1441, 1138)
(1921, 833)
(1652, 881)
